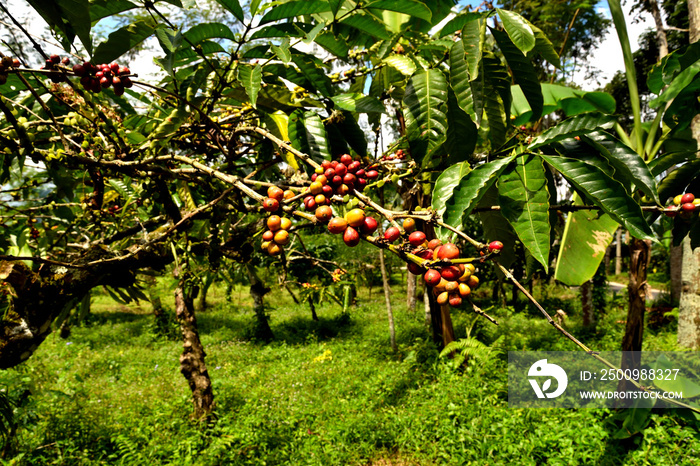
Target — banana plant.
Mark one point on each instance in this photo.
(514, 188)
(610, 171)
(662, 143)
(613, 173)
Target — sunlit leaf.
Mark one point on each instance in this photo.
(314, 73)
(471, 189)
(587, 235)
(234, 7)
(446, 184)
(473, 35)
(518, 29)
(524, 72)
(626, 161)
(295, 8)
(206, 31)
(401, 63)
(251, 77)
(103, 8)
(524, 200)
(359, 103)
(122, 40)
(458, 22)
(316, 135)
(367, 23)
(408, 7)
(575, 126)
(424, 112)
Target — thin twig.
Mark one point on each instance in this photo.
(479, 311)
(263, 132)
(595, 354)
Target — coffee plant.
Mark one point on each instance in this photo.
(272, 120)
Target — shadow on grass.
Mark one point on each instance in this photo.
(235, 326)
(301, 330)
(117, 317)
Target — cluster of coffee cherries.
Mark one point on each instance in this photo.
(52, 63)
(94, 78)
(277, 234)
(398, 155)
(5, 64)
(337, 177)
(683, 204)
(451, 283)
(275, 195)
(112, 210)
(351, 225)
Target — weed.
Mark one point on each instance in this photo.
(327, 392)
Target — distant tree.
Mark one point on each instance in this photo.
(676, 36)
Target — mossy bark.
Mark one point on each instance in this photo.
(38, 298)
(192, 361)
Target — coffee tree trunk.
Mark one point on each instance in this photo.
(31, 301)
(438, 316)
(387, 299)
(689, 302)
(676, 266)
(435, 319)
(618, 251)
(661, 40)
(204, 291)
(411, 293)
(258, 290)
(448, 333)
(426, 306)
(314, 316)
(587, 303)
(637, 291)
(689, 307)
(192, 364)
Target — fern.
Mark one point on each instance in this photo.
(120, 187)
(129, 451)
(468, 347)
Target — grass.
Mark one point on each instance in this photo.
(323, 393)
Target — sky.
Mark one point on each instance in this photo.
(607, 57)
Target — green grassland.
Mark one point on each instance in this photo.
(323, 393)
